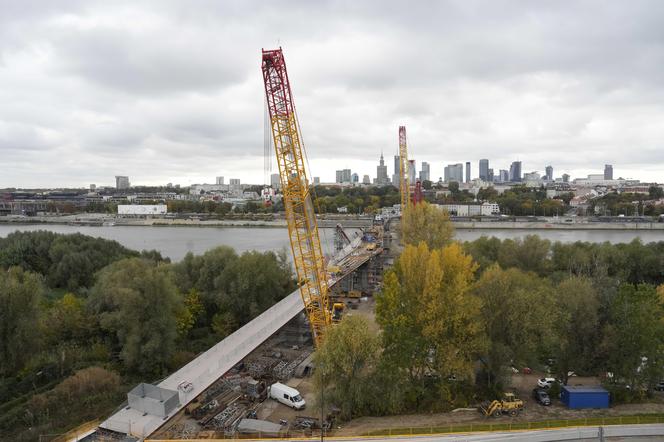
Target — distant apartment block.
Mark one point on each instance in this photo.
(121, 182)
(608, 172)
(219, 180)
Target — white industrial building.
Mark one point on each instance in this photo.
(142, 209)
(485, 209)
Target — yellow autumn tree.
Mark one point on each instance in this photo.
(430, 318)
(424, 222)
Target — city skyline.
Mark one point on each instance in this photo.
(98, 89)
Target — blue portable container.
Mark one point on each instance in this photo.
(584, 397)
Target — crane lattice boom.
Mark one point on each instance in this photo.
(302, 226)
(404, 185)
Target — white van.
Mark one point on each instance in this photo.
(287, 396)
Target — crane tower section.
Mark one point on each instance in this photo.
(404, 185)
(302, 225)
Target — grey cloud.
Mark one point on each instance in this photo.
(165, 89)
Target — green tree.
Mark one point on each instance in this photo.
(530, 254)
(576, 327)
(20, 294)
(137, 303)
(427, 223)
(346, 362)
(66, 320)
(515, 310)
(252, 283)
(635, 336)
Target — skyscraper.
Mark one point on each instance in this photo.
(489, 175)
(346, 176)
(454, 172)
(355, 178)
(515, 172)
(122, 182)
(504, 176)
(395, 175)
(468, 171)
(275, 182)
(608, 172)
(340, 176)
(425, 173)
(565, 178)
(411, 171)
(366, 179)
(381, 172)
(220, 180)
(549, 173)
(484, 169)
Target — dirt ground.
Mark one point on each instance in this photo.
(274, 411)
(523, 385)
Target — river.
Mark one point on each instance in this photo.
(176, 242)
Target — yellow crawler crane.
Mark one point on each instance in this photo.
(302, 226)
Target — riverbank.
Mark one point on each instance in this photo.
(100, 220)
(523, 225)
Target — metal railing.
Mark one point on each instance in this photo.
(518, 426)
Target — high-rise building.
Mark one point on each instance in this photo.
(484, 169)
(366, 179)
(275, 182)
(220, 180)
(489, 175)
(504, 176)
(122, 182)
(515, 172)
(453, 172)
(425, 173)
(340, 176)
(234, 181)
(608, 172)
(93, 187)
(381, 172)
(411, 171)
(346, 176)
(565, 178)
(395, 175)
(316, 180)
(355, 178)
(468, 171)
(549, 173)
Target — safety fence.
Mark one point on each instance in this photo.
(518, 426)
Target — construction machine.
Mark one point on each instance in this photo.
(302, 225)
(338, 311)
(509, 404)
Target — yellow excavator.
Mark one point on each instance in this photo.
(509, 404)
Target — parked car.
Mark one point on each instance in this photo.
(287, 396)
(660, 386)
(546, 382)
(526, 370)
(541, 396)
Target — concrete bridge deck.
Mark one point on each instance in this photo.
(215, 362)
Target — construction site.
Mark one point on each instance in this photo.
(257, 381)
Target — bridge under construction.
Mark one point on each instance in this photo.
(150, 407)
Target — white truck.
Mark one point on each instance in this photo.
(287, 396)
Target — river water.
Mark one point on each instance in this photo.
(176, 242)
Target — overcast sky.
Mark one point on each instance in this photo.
(171, 91)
